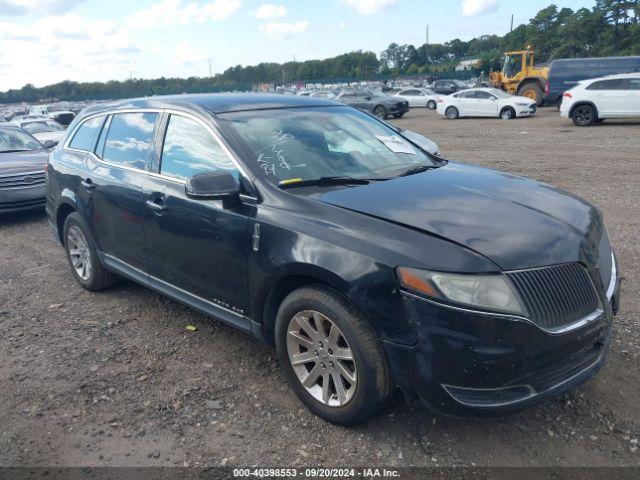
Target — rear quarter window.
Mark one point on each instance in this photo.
(86, 135)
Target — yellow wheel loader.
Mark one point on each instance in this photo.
(519, 76)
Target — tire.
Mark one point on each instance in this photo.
(398, 115)
(451, 113)
(431, 105)
(532, 91)
(584, 115)
(80, 249)
(380, 112)
(322, 309)
(507, 113)
(599, 120)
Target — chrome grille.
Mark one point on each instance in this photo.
(556, 296)
(21, 180)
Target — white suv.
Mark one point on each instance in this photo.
(593, 101)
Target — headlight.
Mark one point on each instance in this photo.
(523, 104)
(486, 292)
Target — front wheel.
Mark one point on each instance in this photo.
(507, 113)
(330, 356)
(584, 115)
(431, 105)
(380, 112)
(451, 113)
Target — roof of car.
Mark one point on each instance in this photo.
(216, 102)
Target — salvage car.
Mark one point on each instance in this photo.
(44, 130)
(370, 264)
(594, 101)
(377, 103)
(418, 97)
(22, 163)
(485, 102)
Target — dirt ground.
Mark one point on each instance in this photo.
(115, 379)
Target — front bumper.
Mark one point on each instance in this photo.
(23, 198)
(399, 107)
(473, 364)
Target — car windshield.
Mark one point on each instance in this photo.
(312, 143)
(41, 127)
(498, 93)
(17, 141)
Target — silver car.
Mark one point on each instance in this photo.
(22, 163)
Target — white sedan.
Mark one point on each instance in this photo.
(418, 97)
(43, 130)
(485, 102)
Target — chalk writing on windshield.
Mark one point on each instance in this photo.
(273, 155)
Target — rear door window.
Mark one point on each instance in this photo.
(190, 149)
(87, 134)
(634, 84)
(614, 84)
(129, 139)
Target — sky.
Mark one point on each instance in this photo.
(48, 41)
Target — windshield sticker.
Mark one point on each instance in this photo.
(273, 155)
(396, 144)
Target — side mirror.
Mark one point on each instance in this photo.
(213, 186)
(48, 144)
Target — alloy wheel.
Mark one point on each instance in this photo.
(583, 115)
(321, 358)
(79, 252)
(506, 114)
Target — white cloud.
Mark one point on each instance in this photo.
(185, 54)
(57, 48)
(268, 11)
(38, 7)
(282, 29)
(343, 25)
(369, 7)
(471, 8)
(167, 13)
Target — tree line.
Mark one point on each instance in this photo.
(610, 27)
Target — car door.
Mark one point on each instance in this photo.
(633, 97)
(486, 104)
(196, 246)
(111, 185)
(609, 97)
(466, 103)
(415, 97)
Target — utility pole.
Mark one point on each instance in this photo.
(210, 73)
(511, 23)
(426, 48)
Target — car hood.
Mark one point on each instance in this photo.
(520, 99)
(22, 162)
(44, 136)
(515, 222)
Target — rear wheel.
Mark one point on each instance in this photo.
(584, 115)
(507, 113)
(431, 105)
(83, 256)
(330, 356)
(532, 91)
(452, 113)
(380, 112)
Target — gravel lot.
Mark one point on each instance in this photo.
(115, 378)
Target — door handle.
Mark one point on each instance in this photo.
(157, 205)
(88, 184)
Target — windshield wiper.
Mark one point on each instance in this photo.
(417, 169)
(325, 182)
(15, 150)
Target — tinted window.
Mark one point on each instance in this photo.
(616, 84)
(86, 136)
(634, 84)
(129, 139)
(483, 95)
(189, 149)
(412, 92)
(465, 95)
